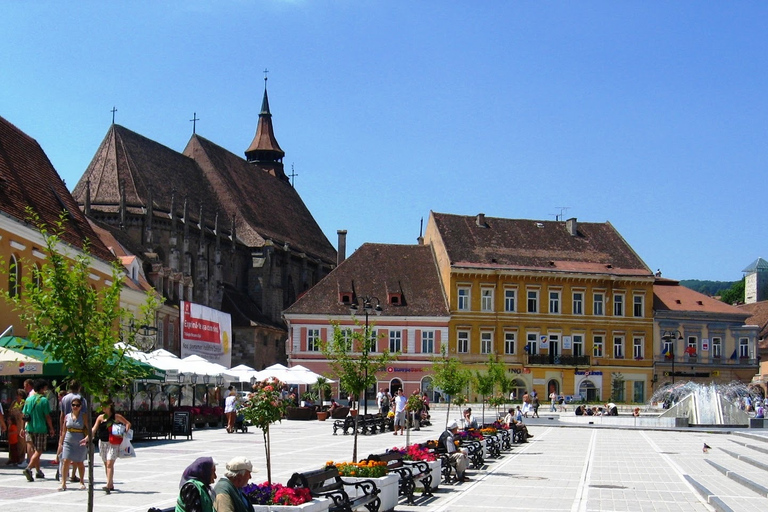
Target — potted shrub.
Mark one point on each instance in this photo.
(275, 497)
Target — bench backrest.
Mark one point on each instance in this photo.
(317, 481)
(393, 459)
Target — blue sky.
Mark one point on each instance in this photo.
(650, 115)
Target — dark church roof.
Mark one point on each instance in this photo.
(520, 244)
(380, 270)
(28, 179)
(265, 207)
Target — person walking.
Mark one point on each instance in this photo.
(230, 409)
(109, 440)
(38, 427)
(65, 406)
(73, 443)
(400, 401)
(535, 404)
(553, 401)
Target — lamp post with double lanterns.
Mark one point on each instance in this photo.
(180, 378)
(369, 304)
(193, 380)
(670, 338)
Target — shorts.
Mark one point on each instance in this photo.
(108, 451)
(38, 441)
(400, 418)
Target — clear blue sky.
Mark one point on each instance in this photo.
(650, 115)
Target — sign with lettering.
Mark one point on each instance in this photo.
(206, 332)
(182, 426)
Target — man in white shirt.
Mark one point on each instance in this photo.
(400, 401)
(458, 456)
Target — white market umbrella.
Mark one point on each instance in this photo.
(16, 363)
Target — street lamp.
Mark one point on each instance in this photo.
(193, 380)
(206, 381)
(144, 336)
(669, 338)
(180, 377)
(369, 304)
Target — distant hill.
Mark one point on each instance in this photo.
(712, 288)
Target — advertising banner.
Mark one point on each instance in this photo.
(206, 332)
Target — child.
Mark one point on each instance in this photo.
(15, 448)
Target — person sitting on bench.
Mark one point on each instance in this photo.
(459, 456)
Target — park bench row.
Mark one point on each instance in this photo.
(366, 424)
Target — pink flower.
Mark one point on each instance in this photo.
(268, 388)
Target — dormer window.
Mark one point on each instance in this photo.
(395, 299)
(345, 297)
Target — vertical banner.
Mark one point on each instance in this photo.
(206, 332)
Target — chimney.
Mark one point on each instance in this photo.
(481, 220)
(572, 227)
(341, 253)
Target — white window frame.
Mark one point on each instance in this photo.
(577, 306)
(578, 341)
(532, 295)
(486, 299)
(554, 301)
(638, 301)
(462, 341)
(717, 347)
(598, 345)
(618, 347)
(638, 347)
(486, 342)
(313, 340)
(692, 341)
(510, 342)
(598, 303)
(464, 298)
(395, 340)
(532, 341)
(618, 304)
(510, 300)
(743, 347)
(428, 342)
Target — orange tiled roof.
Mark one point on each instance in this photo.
(668, 295)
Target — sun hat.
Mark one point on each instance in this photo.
(239, 463)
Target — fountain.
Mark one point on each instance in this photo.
(705, 404)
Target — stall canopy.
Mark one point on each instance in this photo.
(17, 364)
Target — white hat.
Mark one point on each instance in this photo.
(452, 425)
(239, 464)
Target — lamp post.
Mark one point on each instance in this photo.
(193, 380)
(369, 304)
(670, 337)
(206, 381)
(180, 377)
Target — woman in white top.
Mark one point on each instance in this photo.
(230, 410)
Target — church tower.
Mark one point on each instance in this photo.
(264, 151)
(756, 281)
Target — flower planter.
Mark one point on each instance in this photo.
(437, 473)
(388, 485)
(316, 505)
(322, 415)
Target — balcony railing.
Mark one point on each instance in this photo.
(700, 360)
(562, 360)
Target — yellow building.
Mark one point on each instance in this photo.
(566, 306)
(28, 180)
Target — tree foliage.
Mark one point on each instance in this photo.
(263, 408)
(734, 294)
(75, 322)
(450, 376)
(352, 361)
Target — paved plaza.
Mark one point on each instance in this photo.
(563, 468)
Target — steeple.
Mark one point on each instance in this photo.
(264, 151)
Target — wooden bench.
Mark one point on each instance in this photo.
(410, 472)
(447, 463)
(347, 425)
(327, 483)
(373, 423)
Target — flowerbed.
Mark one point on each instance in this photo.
(276, 494)
(369, 469)
(416, 452)
(469, 435)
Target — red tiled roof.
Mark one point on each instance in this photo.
(537, 245)
(758, 312)
(28, 179)
(668, 295)
(380, 270)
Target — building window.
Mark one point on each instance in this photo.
(533, 301)
(578, 303)
(373, 336)
(395, 341)
(717, 347)
(532, 343)
(743, 347)
(597, 304)
(639, 306)
(637, 348)
(692, 346)
(510, 300)
(14, 277)
(554, 302)
(638, 390)
(618, 304)
(597, 346)
(313, 340)
(578, 345)
(463, 304)
(462, 342)
(486, 299)
(428, 342)
(486, 342)
(509, 343)
(618, 347)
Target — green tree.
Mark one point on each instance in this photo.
(74, 322)
(351, 360)
(484, 383)
(262, 409)
(734, 294)
(450, 377)
(323, 388)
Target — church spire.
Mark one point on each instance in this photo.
(264, 151)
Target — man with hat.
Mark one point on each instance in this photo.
(459, 456)
(229, 496)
